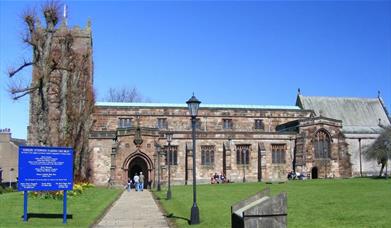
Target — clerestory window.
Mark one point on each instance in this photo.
(124, 122)
(259, 125)
(227, 124)
(162, 123)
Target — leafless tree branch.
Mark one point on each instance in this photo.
(12, 72)
(124, 95)
(18, 90)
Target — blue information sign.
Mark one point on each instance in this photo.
(45, 168)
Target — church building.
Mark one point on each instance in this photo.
(322, 137)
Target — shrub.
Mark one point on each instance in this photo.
(6, 190)
(78, 189)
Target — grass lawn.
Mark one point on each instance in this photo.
(311, 203)
(84, 208)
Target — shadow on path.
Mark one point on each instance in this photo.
(171, 215)
(47, 216)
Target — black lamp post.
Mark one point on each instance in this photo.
(158, 166)
(244, 164)
(193, 105)
(169, 138)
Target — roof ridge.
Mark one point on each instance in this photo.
(184, 105)
(336, 97)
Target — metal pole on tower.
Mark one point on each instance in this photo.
(65, 14)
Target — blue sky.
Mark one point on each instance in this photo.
(227, 52)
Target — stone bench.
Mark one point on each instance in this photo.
(260, 210)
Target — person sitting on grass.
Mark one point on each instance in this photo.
(216, 177)
(222, 178)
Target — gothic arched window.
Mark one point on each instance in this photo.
(322, 144)
(173, 155)
(242, 154)
(207, 155)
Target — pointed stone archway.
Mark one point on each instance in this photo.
(138, 165)
(138, 162)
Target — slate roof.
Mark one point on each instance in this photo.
(19, 142)
(184, 105)
(358, 115)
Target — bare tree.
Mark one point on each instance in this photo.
(61, 94)
(380, 150)
(124, 94)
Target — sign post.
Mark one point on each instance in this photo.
(45, 169)
(64, 208)
(25, 206)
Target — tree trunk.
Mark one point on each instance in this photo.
(383, 164)
(61, 91)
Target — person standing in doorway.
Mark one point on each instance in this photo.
(129, 183)
(136, 180)
(141, 180)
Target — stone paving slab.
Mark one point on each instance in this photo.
(134, 210)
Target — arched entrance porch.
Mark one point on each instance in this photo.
(138, 162)
(138, 165)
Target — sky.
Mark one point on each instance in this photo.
(226, 52)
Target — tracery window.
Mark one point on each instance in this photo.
(173, 155)
(278, 153)
(207, 155)
(322, 145)
(242, 154)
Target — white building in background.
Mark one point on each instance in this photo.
(9, 156)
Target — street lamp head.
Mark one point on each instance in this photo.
(169, 137)
(193, 104)
(158, 147)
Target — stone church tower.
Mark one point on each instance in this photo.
(62, 96)
(82, 46)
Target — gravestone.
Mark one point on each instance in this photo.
(260, 210)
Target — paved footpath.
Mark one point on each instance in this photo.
(134, 210)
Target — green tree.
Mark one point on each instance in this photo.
(380, 150)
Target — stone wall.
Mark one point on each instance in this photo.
(211, 119)
(211, 132)
(100, 162)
